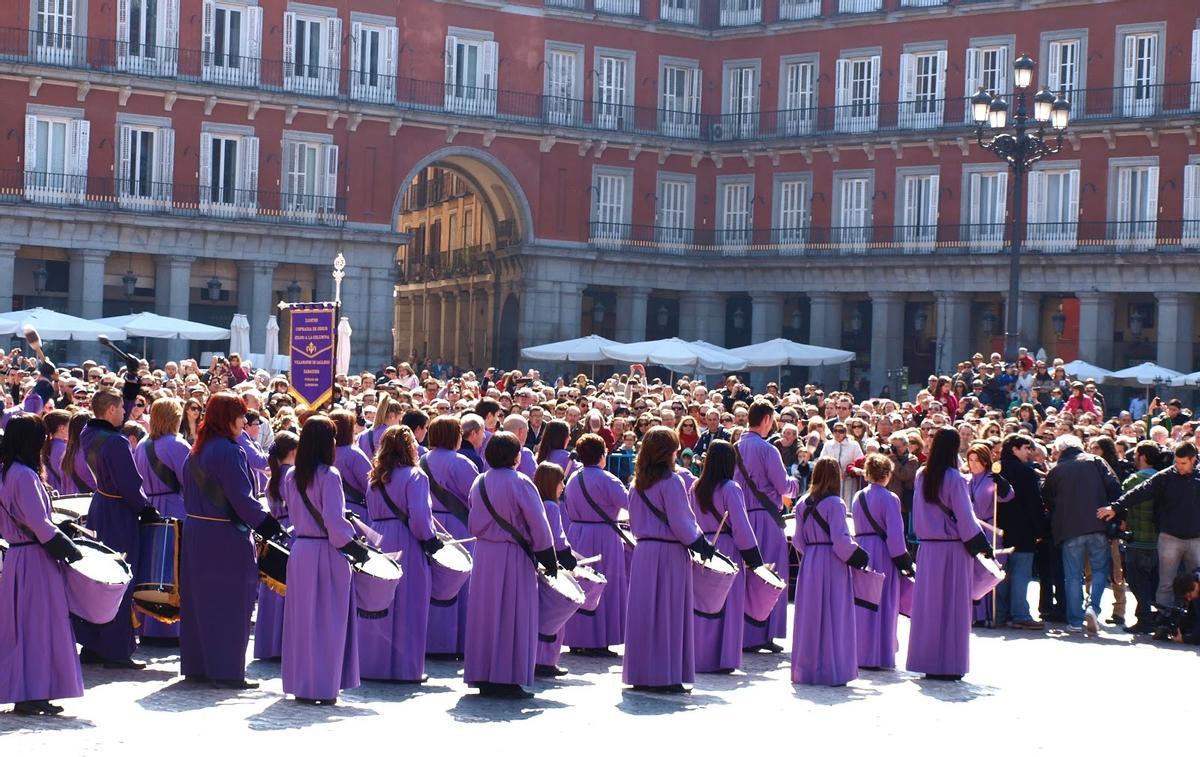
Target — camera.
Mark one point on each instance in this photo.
(1114, 532)
(1168, 622)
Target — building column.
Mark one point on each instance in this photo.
(462, 339)
(85, 297)
(173, 295)
(954, 331)
(485, 324)
(825, 330)
(323, 283)
(446, 342)
(1097, 322)
(702, 317)
(632, 303)
(1029, 321)
(1176, 333)
(8, 265)
(430, 325)
(375, 343)
(887, 337)
(256, 295)
(766, 322)
(570, 311)
(416, 312)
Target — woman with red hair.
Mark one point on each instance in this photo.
(219, 568)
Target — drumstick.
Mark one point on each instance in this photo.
(589, 560)
(720, 527)
(995, 531)
(459, 541)
(35, 341)
(108, 343)
(441, 529)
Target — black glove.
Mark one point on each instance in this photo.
(132, 365)
(703, 548)
(752, 557)
(429, 546)
(62, 548)
(904, 564)
(548, 560)
(978, 545)
(1002, 485)
(566, 559)
(149, 515)
(356, 551)
(132, 387)
(860, 559)
(268, 528)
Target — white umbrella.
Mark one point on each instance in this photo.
(9, 327)
(1187, 379)
(1084, 370)
(343, 346)
(677, 355)
(239, 335)
(1146, 374)
(53, 325)
(271, 348)
(780, 352)
(154, 326)
(585, 349)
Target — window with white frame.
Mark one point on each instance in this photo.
(310, 177)
(740, 12)
(55, 31)
(471, 59)
(1053, 207)
(798, 96)
(231, 40)
(228, 172)
(857, 93)
(987, 67)
(1195, 94)
(673, 216)
(56, 157)
(1136, 205)
(1140, 90)
(612, 106)
(922, 89)
(1063, 67)
(679, 110)
(373, 52)
(852, 209)
(678, 11)
(610, 211)
(792, 210)
(918, 210)
(148, 36)
(146, 163)
(564, 101)
(312, 52)
(740, 113)
(1191, 204)
(736, 196)
(986, 204)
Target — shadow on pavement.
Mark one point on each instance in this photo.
(472, 708)
(286, 714)
(832, 694)
(183, 696)
(649, 703)
(954, 691)
(385, 691)
(14, 724)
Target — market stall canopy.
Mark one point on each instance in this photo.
(777, 352)
(585, 349)
(52, 325)
(677, 355)
(1084, 370)
(157, 326)
(1146, 374)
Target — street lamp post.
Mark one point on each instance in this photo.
(1025, 145)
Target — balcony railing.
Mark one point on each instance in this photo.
(678, 11)
(169, 198)
(618, 7)
(944, 239)
(741, 12)
(798, 10)
(535, 109)
(923, 3)
(859, 6)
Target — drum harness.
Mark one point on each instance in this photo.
(521, 541)
(215, 495)
(449, 499)
(164, 473)
(763, 499)
(598, 510)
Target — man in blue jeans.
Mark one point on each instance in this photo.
(1074, 491)
(1023, 521)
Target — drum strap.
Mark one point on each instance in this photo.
(449, 499)
(654, 510)
(810, 510)
(598, 510)
(879, 530)
(352, 494)
(763, 499)
(313, 512)
(165, 474)
(521, 541)
(391, 503)
(214, 494)
(80, 484)
(92, 454)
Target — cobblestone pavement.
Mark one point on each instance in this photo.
(1049, 692)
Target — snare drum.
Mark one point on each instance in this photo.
(375, 581)
(763, 588)
(711, 582)
(986, 574)
(272, 565)
(156, 590)
(868, 587)
(74, 506)
(789, 529)
(558, 599)
(449, 570)
(592, 582)
(96, 584)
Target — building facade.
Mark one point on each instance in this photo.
(727, 170)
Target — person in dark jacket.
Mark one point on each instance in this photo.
(1072, 490)
(1023, 521)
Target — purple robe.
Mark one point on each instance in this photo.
(876, 630)
(77, 469)
(320, 650)
(448, 619)
(392, 647)
(984, 501)
(528, 463)
(940, 636)
(54, 471)
(590, 536)
(562, 459)
(765, 466)
(824, 648)
(549, 648)
(268, 621)
(172, 451)
(256, 459)
(355, 469)
(659, 646)
(219, 566)
(37, 645)
(719, 635)
(502, 619)
(368, 441)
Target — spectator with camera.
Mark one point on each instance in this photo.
(1141, 552)
(1180, 622)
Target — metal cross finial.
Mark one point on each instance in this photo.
(339, 273)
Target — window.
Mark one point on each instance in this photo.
(679, 111)
(230, 43)
(1136, 210)
(853, 203)
(741, 12)
(798, 100)
(310, 179)
(312, 51)
(736, 212)
(470, 75)
(1195, 99)
(922, 89)
(619, 7)
(148, 36)
(1140, 93)
(674, 212)
(612, 92)
(228, 173)
(144, 173)
(857, 94)
(564, 103)
(373, 52)
(740, 116)
(56, 157)
(859, 6)
(1191, 205)
(1063, 69)
(55, 37)
(678, 11)
(792, 214)
(918, 211)
(1053, 208)
(987, 67)
(795, 10)
(987, 202)
(610, 214)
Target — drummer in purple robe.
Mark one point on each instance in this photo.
(54, 450)
(765, 483)
(513, 537)
(256, 456)
(77, 479)
(593, 501)
(418, 421)
(391, 644)
(879, 529)
(549, 480)
(118, 504)
(659, 643)
(716, 495)
(517, 425)
(268, 622)
(988, 491)
(351, 463)
(824, 648)
(219, 565)
(37, 645)
(320, 643)
(950, 537)
(552, 448)
(387, 414)
(450, 478)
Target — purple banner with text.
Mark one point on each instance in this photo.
(313, 351)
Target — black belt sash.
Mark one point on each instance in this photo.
(447, 498)
(391, 503)
(604, 518)
(164, 473)
(763, 499)
(209, 488)
(521, 541)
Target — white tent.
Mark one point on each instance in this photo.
(52, 325)
(154, 326)
(342, 364)
(585, 349)
(780, 352)
(239, 335)
(1187, 379)
(677, 355)
(271, 348)
(1084, 370)
(9, 327)
(1147, 374)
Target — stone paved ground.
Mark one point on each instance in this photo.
(1026, 693)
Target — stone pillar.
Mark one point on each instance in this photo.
(953, 330)
(431, 325)
(256, 298)
(8, 264)
(446, 342)
(373, 303)
(1029, 319)
(323, 283)
(462, 338)
(570, 311)
(485, 325)
(766, 322)
(1097, 322)
(825, 330)
(702, 317)
(85, 299)
(172, 297)
(1176, 333)
(887, 336)
(416, 309)
(632, 303)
